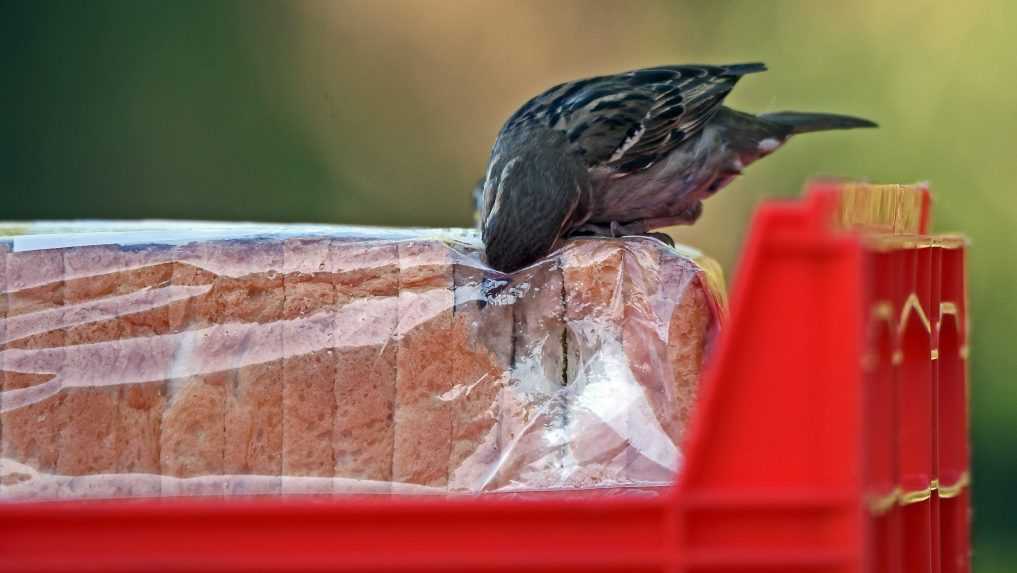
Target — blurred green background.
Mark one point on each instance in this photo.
(384, 112)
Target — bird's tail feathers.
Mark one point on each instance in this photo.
(743, 69)
(801, 122)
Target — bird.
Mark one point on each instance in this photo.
(623, 154)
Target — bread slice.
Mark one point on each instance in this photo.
(34, 360)
(532, 406)
(367, 315)
(147, 349)
(423, 412)
(651, 286)
(192, 441)
(308, 331)
(481, 339)
(91, 340)
(693, 325)
(254, 400)
(5, 248)
(598, 380)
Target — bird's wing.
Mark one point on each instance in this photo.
(631, 120)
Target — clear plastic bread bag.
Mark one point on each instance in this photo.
(164, 359)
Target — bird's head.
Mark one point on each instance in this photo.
(530, 193)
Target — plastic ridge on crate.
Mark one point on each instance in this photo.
(831, 436)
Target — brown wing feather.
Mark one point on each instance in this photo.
(629, 121)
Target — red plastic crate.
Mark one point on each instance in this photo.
(831, 436)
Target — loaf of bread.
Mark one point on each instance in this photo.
(280, 360)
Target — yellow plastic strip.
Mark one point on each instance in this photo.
(901, 242)
(917, 496)
(882, 310)
(713, 278)
(713, 274)
(897, 358)
(884, 503)
(879, 505)
(893, 209)
(13, 229)
(912, 304)
(946, 308)
(955, 489)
